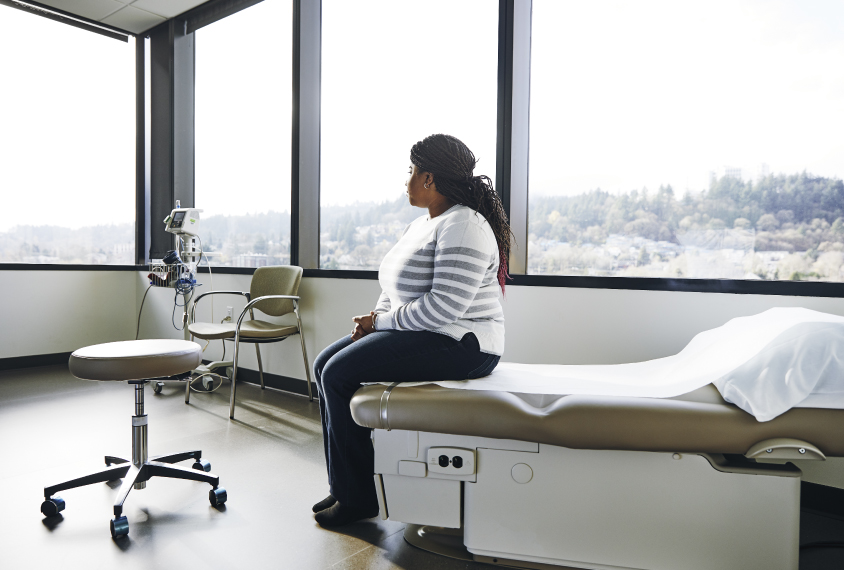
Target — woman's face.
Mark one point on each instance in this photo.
(417, 194)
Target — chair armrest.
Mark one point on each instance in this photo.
(193, 305)
(248, 307)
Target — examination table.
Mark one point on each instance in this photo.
(598, 482)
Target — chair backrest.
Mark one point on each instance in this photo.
(277, 280)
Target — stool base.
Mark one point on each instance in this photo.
(136, 476)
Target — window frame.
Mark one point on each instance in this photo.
(512, 150)
(67, 18)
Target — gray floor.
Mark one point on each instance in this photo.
(54, 427)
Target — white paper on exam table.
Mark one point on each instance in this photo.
(765, 364)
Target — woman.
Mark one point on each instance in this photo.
(438, 317)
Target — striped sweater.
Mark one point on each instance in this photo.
(442, 276)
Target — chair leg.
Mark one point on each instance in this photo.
(234, 377)
(112, 460)
(112, 473)
(305, 357)
(187, 384)
(187, 390)
(260, 365)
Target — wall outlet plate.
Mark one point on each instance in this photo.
(451, 460)
(229, 313)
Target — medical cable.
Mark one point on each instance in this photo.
(210, 275)
(140, 311)
(183, 286)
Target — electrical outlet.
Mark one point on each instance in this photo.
(229, 313)
(451, 460)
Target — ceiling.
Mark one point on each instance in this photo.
(134, 16)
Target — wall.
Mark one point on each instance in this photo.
(327, 307)
(59, 311)
(48, 312)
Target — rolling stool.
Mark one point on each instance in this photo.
(138, 362)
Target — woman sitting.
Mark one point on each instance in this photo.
(438, 318)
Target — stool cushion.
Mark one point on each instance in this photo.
(135, 359)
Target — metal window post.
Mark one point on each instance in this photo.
(305, 167)
(172, 55)
(511, 179)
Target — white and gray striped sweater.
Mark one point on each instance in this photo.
(442, 276)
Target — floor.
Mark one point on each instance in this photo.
(54, 427)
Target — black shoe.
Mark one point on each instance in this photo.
(338, 515)
(324, 504)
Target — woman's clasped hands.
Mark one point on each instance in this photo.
(364, 325)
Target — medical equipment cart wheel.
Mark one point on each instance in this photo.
(52, 506)
(119, 526)
(157, 387)
(217, 496)
(202, 465)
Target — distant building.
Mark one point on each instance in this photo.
(251, 260)
(732, 172)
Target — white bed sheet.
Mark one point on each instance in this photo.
(765, 364)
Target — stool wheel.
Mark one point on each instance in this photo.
(217, 496)
(53, 506)
(119, 527)
(202, 465)
(157, 387)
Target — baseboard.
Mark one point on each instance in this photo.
(822, 500)
(276, 381)
(34, 361)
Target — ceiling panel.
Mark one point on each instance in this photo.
(134, 16)
(91, 9)
(133, 19)
(167, 8)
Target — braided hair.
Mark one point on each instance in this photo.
(451, 163)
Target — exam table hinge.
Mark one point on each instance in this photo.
(385, 399)
(784, 448)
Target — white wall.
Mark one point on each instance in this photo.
(604, 326)
(64, 310)
(47, 312)
(327, 308)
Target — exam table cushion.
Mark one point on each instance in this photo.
(697, 422)
(248, 329)
(766, 364)
(135, 359)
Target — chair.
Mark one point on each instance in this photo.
(273, 291)
(138, 362)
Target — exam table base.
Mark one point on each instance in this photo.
(588, 509)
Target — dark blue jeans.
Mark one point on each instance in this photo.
(384, 356)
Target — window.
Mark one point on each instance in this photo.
(680, 139)
(243, 134)
(392, 74)
(67, 140)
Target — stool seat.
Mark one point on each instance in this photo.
(135, 359)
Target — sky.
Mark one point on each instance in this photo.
(67, 124)
(243, 111)
(624, 95)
